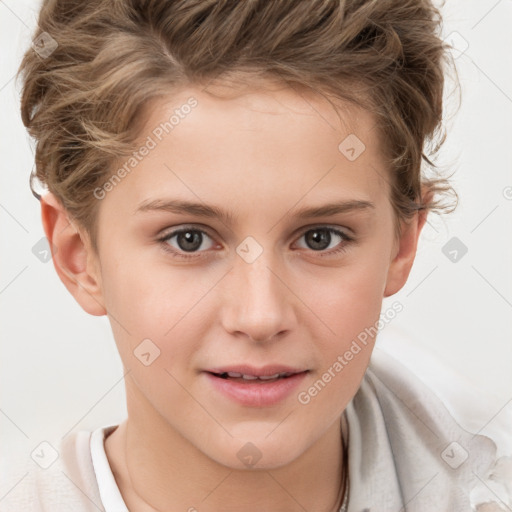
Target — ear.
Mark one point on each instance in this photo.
(75, 262)
(405, 250)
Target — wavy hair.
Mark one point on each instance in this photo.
(81, 103)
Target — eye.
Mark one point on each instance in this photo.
(324, 238)
(187, 240)
(190, 242)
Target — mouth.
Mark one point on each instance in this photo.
(250, 374)
(256, 387)
(251, 378)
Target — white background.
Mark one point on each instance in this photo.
(59, 366)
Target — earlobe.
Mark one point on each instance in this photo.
(72, 256)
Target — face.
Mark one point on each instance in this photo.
(246, 235)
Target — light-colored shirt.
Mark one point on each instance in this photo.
(406, 452)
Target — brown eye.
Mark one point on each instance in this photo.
(318, 239)
(321, 239)
(188, 240)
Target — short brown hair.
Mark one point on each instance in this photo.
(82, 101)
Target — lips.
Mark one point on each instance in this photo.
(253, 378)
(245, 373)
(256, 387)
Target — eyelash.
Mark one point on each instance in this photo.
(193, 255)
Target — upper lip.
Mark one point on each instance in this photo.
(264, 371)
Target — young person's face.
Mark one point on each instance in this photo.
(263, 286)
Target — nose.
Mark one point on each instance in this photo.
(258, 304)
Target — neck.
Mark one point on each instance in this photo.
(157, 469)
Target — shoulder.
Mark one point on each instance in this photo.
(408, 443)
(57, 476)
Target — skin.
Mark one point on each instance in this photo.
(263, 155)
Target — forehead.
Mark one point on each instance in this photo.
(251, 145)
(306, 114)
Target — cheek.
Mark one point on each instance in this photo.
(349, 309)
(348, 303)
(348, 300)
(148, 293)
(152, 300)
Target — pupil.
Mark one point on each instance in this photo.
(189, 240)
(318, 239)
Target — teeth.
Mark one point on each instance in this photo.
(237, 375)
(269, 377)
(249, 377)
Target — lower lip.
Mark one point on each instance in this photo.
(257, 394)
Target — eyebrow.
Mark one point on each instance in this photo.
(203, 210)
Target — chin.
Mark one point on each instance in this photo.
(256, 452)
